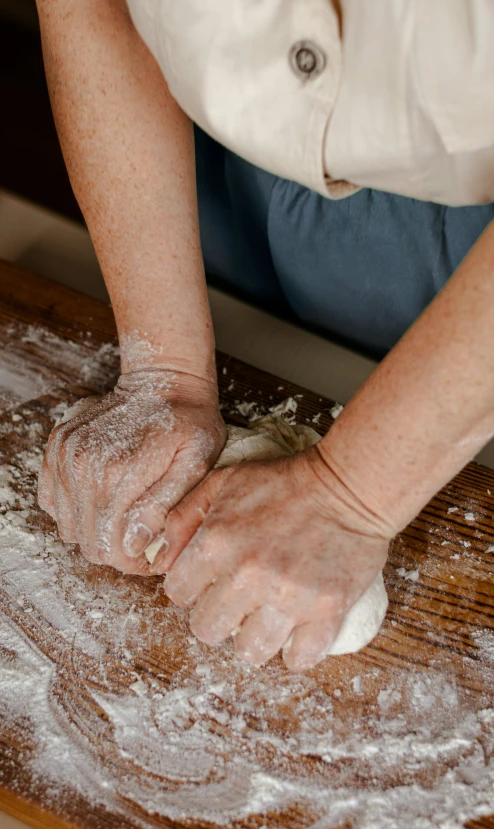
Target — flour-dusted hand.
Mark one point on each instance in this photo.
(275, 552)
(114, 470)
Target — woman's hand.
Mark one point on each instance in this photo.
(113, 472)
(129, 151)
(273, 552)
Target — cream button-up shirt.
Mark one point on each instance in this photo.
(398, 95)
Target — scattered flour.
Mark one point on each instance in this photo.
(195, 743)
(137, 351)
(88, 363)
(82, 362)
(201, 736)
(336, 411)
(484, 639)
(408, 575)
(288, 406)
(19, 382)
(252, 410)
(248, 409)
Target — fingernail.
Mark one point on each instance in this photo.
(156, 555)
(136, 540)
(288, 644)
(153, 550)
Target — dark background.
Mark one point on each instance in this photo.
(31, 163)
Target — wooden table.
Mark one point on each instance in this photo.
(120, 676)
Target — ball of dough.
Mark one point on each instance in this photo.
(271, 438)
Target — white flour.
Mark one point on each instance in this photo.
(200, 735)
(86, 363)
(18, 382)
(485, 642)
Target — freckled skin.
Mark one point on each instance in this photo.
(130, 155)
(425, 411)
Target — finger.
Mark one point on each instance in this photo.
(310, 643)
(220, 611)
(63, 515)
(131, 566)
(147, 516)
(263, 634)
(196, 568)
(53, 495)
(46, 499)
(49, 472)
(102, 553)
(186, 518)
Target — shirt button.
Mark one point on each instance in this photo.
(307, 59)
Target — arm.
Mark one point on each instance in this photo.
(278, 552)
(112, 473)
(429, 406)
(130, 156)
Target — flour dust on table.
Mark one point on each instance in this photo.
(111, 710)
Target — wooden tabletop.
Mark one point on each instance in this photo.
(112, 715)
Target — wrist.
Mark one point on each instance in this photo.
(140, 352)
(172, 384)
(345, 504)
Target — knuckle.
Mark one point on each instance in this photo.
(147, 511)
(158, 504)
(73, 451)
(252, 570)
(175, 517)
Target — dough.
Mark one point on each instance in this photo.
(270, 438)
(266, 439)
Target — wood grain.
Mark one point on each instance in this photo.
(432, 629)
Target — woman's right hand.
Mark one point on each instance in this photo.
(113, 471)
(117, 468)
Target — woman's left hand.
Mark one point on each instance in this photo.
(272, 552)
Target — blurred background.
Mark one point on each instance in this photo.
(31, 163)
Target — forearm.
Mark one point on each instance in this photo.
(130, 155)
(429, 406)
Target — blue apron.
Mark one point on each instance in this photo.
(359, 270)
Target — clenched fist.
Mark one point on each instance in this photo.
(114, 470)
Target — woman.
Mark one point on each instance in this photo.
(314, 101)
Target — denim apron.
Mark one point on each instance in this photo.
(359, 270)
